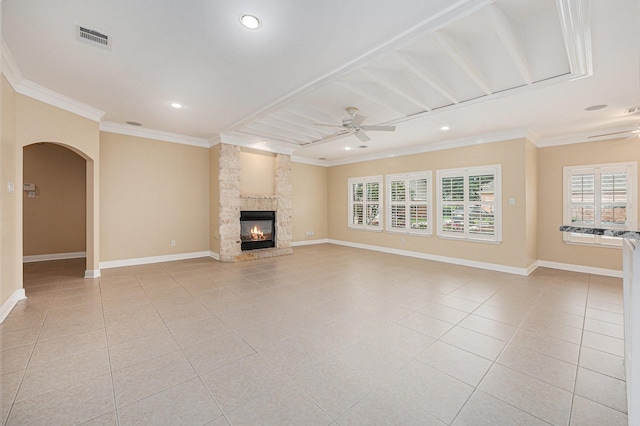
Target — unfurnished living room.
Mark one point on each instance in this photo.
(418, 212)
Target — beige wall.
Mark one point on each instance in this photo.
(152, 192)
(257, 172)
(10, 204)
(512, 252)
(551, 160)
(531, 202)
(55, 220)
(309, 202)
(214, 199)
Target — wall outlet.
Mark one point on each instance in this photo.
(173, 243)
(10, 188)
(309, 233)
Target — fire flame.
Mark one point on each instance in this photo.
(256, 234)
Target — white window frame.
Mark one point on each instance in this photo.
(365, 203)
(465, 203)
(406, 178)
(631, 170)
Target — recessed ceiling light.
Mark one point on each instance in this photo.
(445, 128)
(595, 107)
(176, 105)
(250, 21)
(133, 123)
(347, 148)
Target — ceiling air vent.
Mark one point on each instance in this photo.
(93, 37)
(632, 110)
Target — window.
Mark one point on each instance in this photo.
(469, 204)
(409, 203)
(600, 196)
(365, 203)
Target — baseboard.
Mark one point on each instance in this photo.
(153, 259)
(214, 255)
(53, 256)
(309, 242)
(7, 306)
(92, 273)
(444, 259)
(580, 268)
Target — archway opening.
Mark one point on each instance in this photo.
(54, 205)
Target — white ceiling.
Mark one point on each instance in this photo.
(489, 69)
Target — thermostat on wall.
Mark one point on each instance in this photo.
(29, 186)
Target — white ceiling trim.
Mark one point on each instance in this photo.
(42, 94)
(575, 18)
(457, 11)
(10, 67)
(257, 143)
(586, 137)
(504, 28)
(437, 146)
(142, 132)
(25, 87)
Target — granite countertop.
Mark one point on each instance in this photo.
(634, 235)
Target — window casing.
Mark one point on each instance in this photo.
(409, 203)
(365, 203)
(600, 196)
(469, 203)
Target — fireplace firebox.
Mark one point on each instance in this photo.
(257, 229)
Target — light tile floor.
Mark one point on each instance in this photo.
(328, 336)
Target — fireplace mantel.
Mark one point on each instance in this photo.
(259, 202)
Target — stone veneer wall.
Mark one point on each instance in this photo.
(232, 202)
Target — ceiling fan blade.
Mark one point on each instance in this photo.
(358, 120)
(363, 138)
(382, 128)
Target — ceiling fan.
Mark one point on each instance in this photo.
(353, 124)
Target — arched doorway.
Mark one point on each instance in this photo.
(58, 210)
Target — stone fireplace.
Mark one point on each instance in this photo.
(233, 202)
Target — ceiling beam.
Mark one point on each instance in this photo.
(369, 96)
(419, 71)
(384, 82)
(508, 36)
(454, 51)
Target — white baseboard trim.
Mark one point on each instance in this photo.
(580, 268)
(309, 242)
(7, 306)
(445, 259)
(92, 273)
(214, 255)
(153, 259)
(53, 256)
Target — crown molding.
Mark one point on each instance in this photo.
(42, 94)
(143, 132)
(28, 88)
(585, 137)
(575, 20)
(10, 67)
(310, 161)
(437, 146)
(259, 144)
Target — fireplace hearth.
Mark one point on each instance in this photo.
(257, 229)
